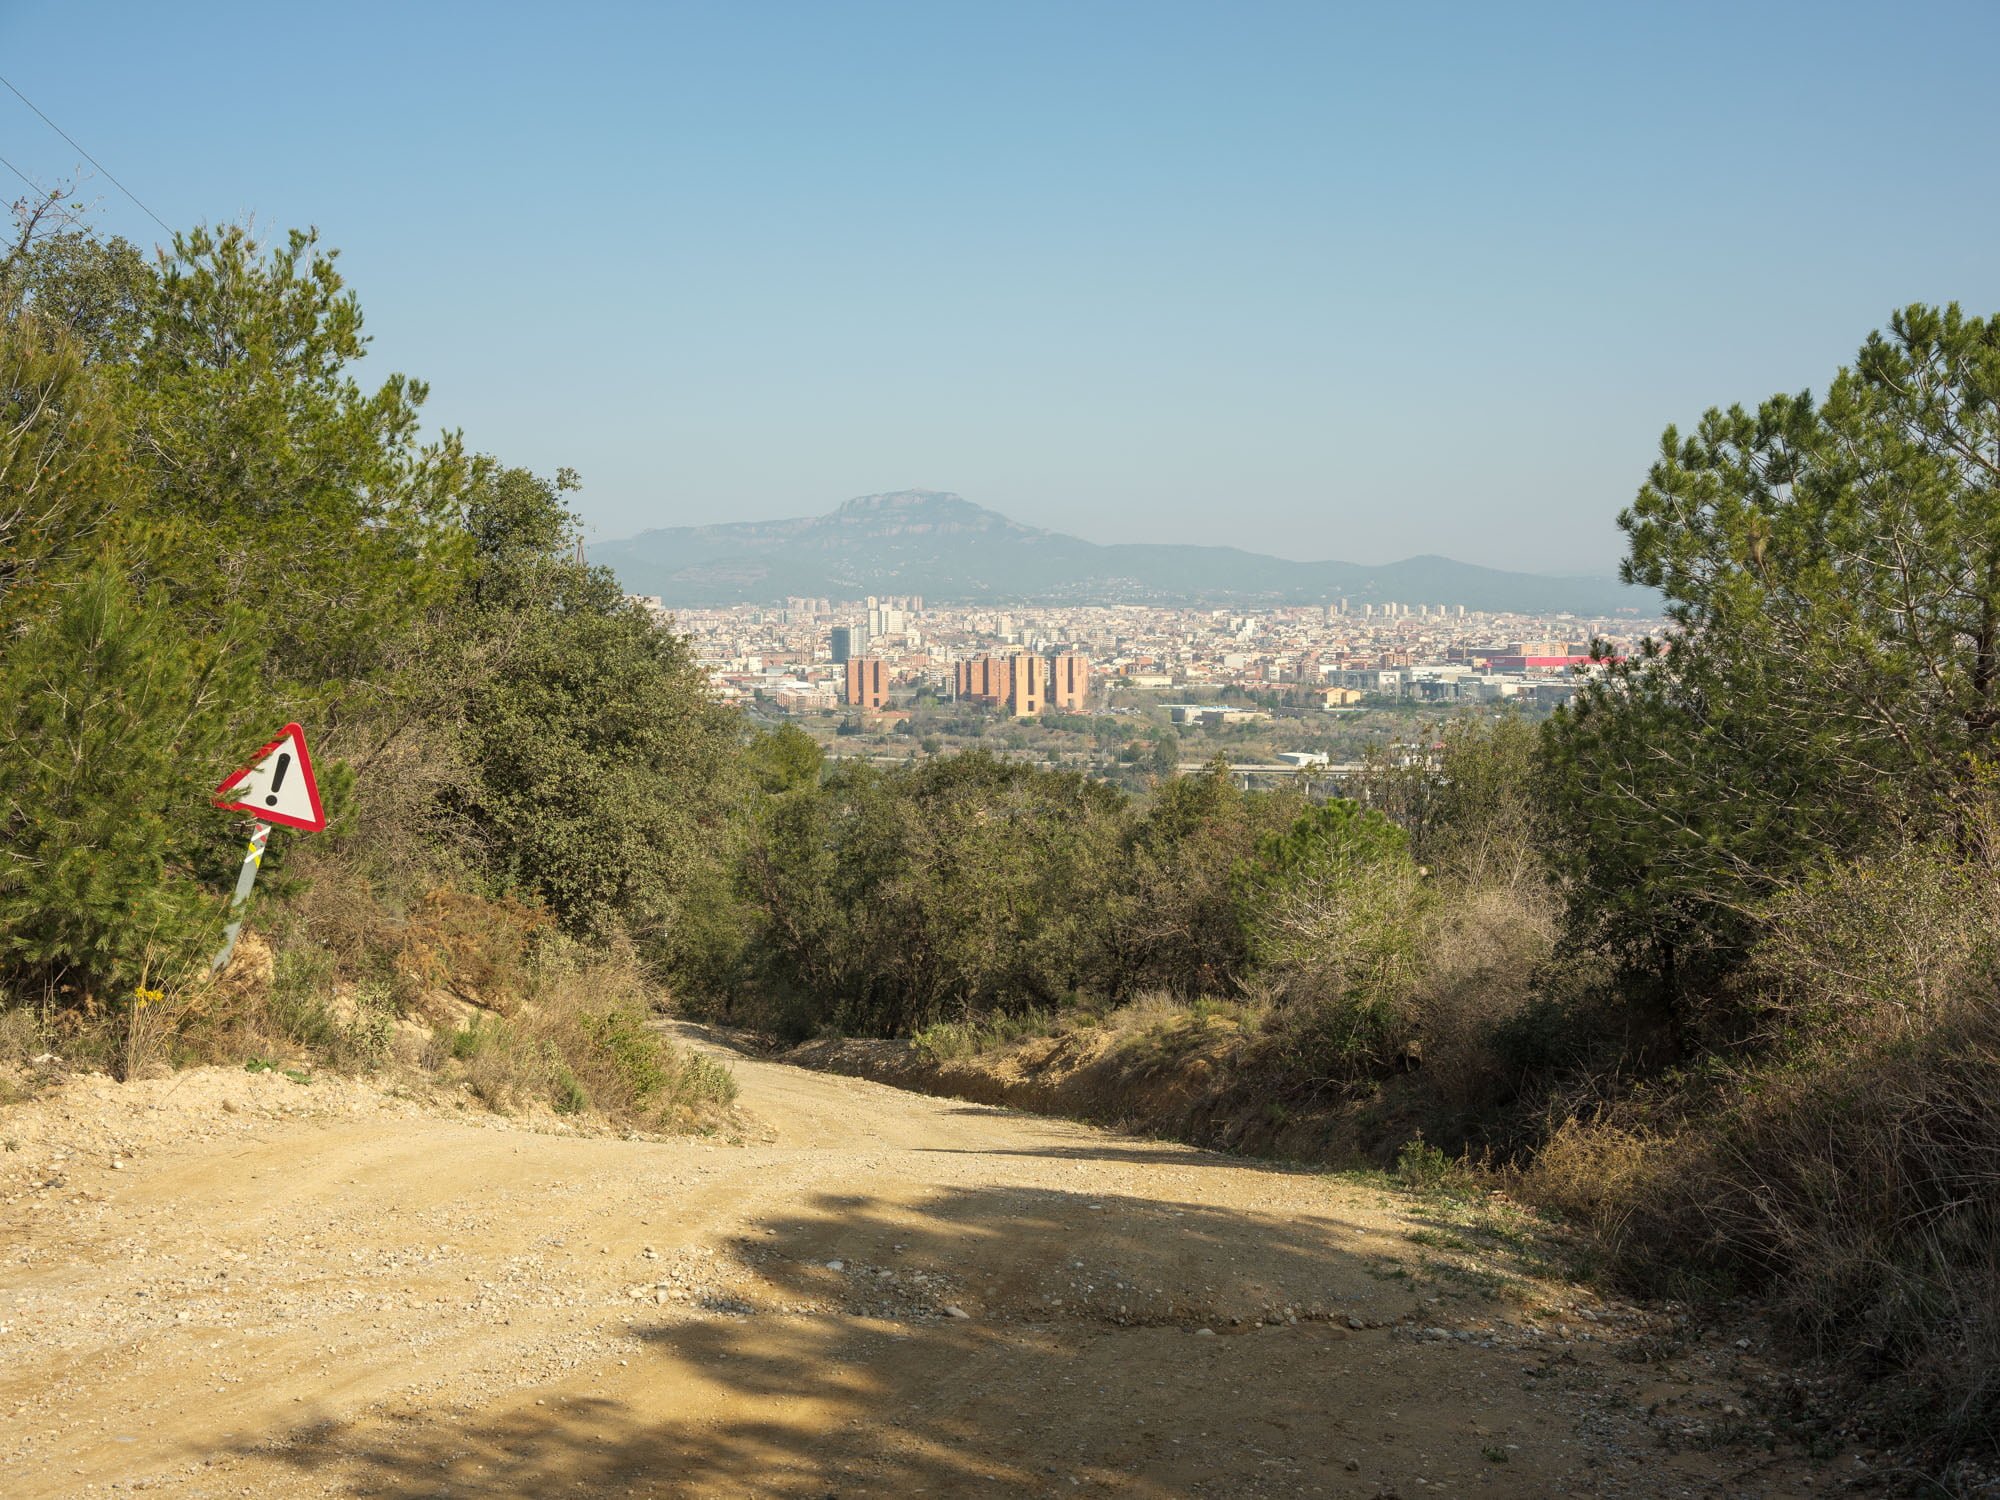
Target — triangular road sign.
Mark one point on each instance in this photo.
(278, 786)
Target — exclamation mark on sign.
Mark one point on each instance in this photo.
(278, 777)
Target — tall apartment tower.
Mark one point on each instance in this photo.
(867, 683)
(1017, 681)
(843, 644)
(1024, 684)
(983, 678)
(1069, 682)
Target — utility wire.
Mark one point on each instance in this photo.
(86, 156)
(22, 175)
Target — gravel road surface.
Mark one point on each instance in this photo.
(227, 1284)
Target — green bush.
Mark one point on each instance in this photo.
(640, 1055)
(1337, 911)
(948, 1041)
(565, 1093)
(958, 886)
(115, 722)
(1423, 1166)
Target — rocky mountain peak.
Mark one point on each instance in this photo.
(923, 510)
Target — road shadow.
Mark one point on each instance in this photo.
(995, 1341)
(1141, 1149)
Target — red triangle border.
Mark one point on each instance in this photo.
(317, 822)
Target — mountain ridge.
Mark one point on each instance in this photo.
(951, 550)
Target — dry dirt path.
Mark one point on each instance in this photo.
(229, 1285)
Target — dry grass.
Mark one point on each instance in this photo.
(1159, 1029)
(455, 990)
(1482, 956)
(21, 1041)
(20, 1036)
(1857, 1195)
(582, 1041)
(1849, 1173)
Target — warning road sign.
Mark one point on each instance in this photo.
(278, 786)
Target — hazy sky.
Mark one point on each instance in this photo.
(1317, 279)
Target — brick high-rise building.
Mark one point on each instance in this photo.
(1014, 682)
(982, 679)
(1069, 682)
(1024, 685)
(867, 683)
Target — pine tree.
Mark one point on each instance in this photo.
(1831, 678)
(114, 724)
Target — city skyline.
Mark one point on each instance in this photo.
(817, 658)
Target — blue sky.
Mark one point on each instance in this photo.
(1315, 279)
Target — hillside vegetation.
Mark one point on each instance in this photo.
(1706, 962)
(210, 526)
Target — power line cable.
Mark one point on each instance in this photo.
(22, 175)
(86, 156)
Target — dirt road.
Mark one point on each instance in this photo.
(223, 1285)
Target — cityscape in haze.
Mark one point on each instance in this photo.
(1027, 624)
(794, 657)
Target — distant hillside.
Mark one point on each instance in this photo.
(952, 551)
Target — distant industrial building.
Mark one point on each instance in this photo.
(1212, 715)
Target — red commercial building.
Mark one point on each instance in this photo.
(1526, 663)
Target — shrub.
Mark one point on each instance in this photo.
(581, 1040)
(947, 1041)
(1174, 913)
(1484, 953)
(1423, 1166)
(1848, 1171)
(20, 1036)
(114, 725)
(641, 1059)
(1336, 912)
(959, 886)
(1876, 947)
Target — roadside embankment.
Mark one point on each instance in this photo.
(1175, 1074)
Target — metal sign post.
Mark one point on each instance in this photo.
(253, 857)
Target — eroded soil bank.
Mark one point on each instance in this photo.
(1178, 1080)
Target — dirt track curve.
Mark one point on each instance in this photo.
(231, 1285)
